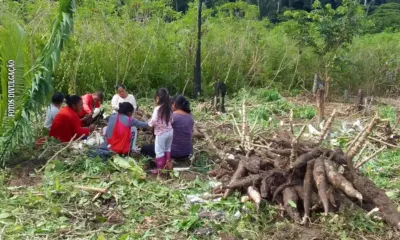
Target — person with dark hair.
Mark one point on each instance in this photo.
(122, 96)
(56, 101)
(91, 101)
(118, 133)
(161, 121)
(182, 123)
(67, 124)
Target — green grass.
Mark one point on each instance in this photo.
(158, 209)
(388, 112)
(149, 209)
(384, 170)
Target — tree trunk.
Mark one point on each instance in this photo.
(316, 84)
(360, 100)
(320, 105)
(197, 69)
(327, 84)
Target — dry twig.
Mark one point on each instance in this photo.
(64, 148)
(360, 164)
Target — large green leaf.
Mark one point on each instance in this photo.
(16, 130)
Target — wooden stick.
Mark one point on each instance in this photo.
(236, 125)
(320, 104)
(397, 120)
(302, 130)
(360, 100)
(358, 144)
(92, 189)
(327, 126)
(361, 152)
(293, 153)
(101, 193)
(48, 148)
(370, 157)
(254, 125)
(350, 145)
(243, 124)
(383, 142)
(56, 154)
(291, 122)
(327, 83)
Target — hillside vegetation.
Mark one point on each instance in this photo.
(148, 44)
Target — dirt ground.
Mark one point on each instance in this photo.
(23, 174)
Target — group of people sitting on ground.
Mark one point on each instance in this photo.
(172, 123)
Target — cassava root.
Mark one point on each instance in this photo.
(311, 183)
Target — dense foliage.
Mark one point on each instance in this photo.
(32, 86)
(148, 44)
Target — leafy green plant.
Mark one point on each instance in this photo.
(131, 165)
(38, 95)
(304, 112)
(268, 95)
(388, 112)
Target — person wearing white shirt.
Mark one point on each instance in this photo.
(122, 96)
(56, 101)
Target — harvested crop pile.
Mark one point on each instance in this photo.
(304, 177)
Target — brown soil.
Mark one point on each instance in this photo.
(297, 232)
(373, 194)
(344, 110)
(23, 174)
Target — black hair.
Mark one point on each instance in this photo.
(71, 100)
(125, 108)
(181, 103)
(100, 95)
(120, 86)
(164, 102)
(57, 98)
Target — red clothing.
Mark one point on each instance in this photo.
(120, 140)
(88, 105)
(66, 124)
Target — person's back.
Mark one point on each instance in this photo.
(67, 124)
(56, 102)
(113, 120)
(182, 145)
(62, 127)
(51, 113)
(118, 135)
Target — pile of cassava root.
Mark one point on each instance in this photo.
(304, 177)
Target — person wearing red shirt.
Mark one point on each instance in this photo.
(67, 124)
(90, 102)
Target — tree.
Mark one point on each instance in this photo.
(387, 17)
(197, 69)
(325, 30)
(16, 130)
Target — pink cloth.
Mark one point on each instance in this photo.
(159, 125)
